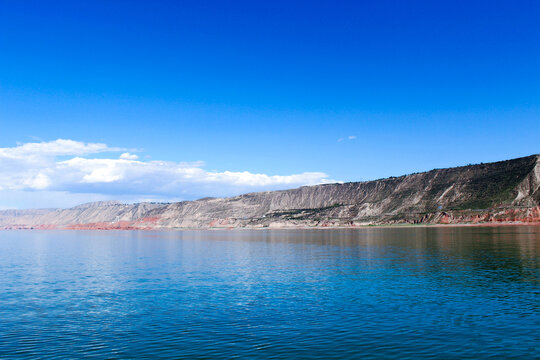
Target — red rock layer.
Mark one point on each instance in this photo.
(148, 223)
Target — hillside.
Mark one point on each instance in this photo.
(505, 191)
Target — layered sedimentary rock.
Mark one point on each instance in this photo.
(505, 191)
(107, 212)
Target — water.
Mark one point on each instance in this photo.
(394, 293)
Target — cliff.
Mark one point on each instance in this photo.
(505, 191)
(99, 212)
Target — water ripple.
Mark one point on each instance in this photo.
(421, 293)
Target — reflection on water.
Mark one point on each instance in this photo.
(460, 292)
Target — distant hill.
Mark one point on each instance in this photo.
(504, 191)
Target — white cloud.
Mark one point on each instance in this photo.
(128, 156)
(58, 147)
(38, 167)
(38, 182)
(350, 137)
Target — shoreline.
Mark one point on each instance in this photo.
(232, 228)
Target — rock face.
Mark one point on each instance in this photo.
(103, 211)
(505, 191)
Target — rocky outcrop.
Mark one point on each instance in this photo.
(505, 191)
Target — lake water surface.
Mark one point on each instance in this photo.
(391, 293)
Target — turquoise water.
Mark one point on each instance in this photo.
(394, 293)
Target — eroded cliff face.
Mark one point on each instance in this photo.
(98, 212)
(505, 191)
(528, 191)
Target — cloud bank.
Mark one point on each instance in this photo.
(74, 168)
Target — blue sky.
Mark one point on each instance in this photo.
(264, 88)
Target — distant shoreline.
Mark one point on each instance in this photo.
(490, 194)
(381, 226)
